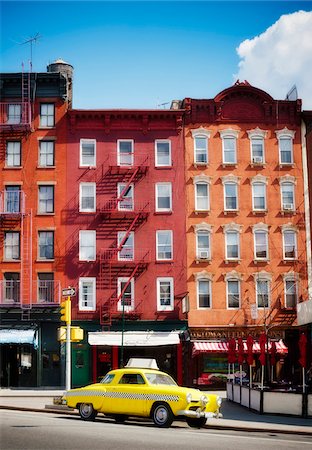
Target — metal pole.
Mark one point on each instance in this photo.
(68, 355)
(122, 333)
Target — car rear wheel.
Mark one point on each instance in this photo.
(197, 422)
(87, 412)
(120, 418)
(162, 415)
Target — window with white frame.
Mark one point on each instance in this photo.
(229, 143)
(163, 197)
(11, 287)
(257, 138)
(11, 245)
(263, 292)
(46, 199)
(14, 114)
(45, 245)
(125, 152)
(163, 153)
(87, 152)
(232, 251)
(46, 153)
(202, 196)
(285, 144)
(87, 197)
(200, 138)
(125, 193)
(230, 196)
(203, 244)
(259, 196)
(47, 115)
(165, 294)
(291, 292)
(46, 287)
(125, 293)
(233, 293)
(203, 293)
(12, 199)
(87, 245)
(164, 245)
(13, 154)
(288, 195)
(126, 253)
(87, 294)
(289, 244)
(261, 245)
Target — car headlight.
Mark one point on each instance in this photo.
(219, 401)
(189, 397)
(204, 400)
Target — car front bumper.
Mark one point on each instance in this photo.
(199, 413)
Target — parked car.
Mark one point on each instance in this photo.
(143, 392)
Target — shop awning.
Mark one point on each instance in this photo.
(222, 347)
(134, 338)
(16, 336)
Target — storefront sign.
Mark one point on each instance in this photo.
(226, 334)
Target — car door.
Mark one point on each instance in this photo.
(129, 395)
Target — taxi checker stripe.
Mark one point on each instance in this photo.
(127, 395)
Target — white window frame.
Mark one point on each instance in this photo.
(293, 280)
(281, 135)
(163, 141)
(197, 197)
(128, 249)
(228, 232)
(257, 135)
(91, 234)
(120, 307)
(294, 233)
(157, 197)
(49, 117)
(14, 117)
(229, 134)
(230, 183)
(46, 202)
(158, 232)
(40, 258)
(201, 133)
(199, 251)
(161, 307)
(198, 281)
(13, 199)
(13, 159)
(131, 159)
(228, 280)
(81, 187)
(284, 205)
(263, 185)
(47, 154)
(92, 281)
(268, 290)
(81, 162)
(127, 202)
(12, 252)
(264, 233)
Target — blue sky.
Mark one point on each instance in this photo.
(141, 54)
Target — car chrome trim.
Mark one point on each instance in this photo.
(127, 395)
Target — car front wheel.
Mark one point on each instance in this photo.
(197, 422)
(162, 415)
(87, 412)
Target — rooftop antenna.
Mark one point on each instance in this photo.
(162, 105)
(30, 41)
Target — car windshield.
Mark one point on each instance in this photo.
(108, 378)
(160, 378)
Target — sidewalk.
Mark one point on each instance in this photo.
(235, 417)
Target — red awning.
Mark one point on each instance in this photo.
(222, 347)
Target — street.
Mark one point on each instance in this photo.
(40, 431)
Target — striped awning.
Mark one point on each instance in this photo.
(222, 347)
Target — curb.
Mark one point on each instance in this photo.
(207, 427)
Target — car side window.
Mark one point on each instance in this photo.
(131, 378)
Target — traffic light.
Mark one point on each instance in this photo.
(66, 311)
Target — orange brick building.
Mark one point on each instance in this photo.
(246, 257)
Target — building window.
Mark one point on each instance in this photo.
(232, 245)
(163, 197)
(126, 253)
(289, 245)
(125, 294)
(87, 295)
(165, 294)
(46, 153)
(229, 140)
(164, 245)
(46, 200)
(46, 288)
(13, 154)
(262, 293)
(201, 150)
(261, 245)
(47, 115)
(46, 245)
(14, 114)
(290, 289)
(87, 152)
(11, 245)
(285, 144)
(11, 288)
(125, 194)
(125, 152)
(230, 196)
(203, 293)
(203, 245)
(87, 195)
(12, 199)
(233, 293)
(163, 153)
(87, 245)
(202, 197)
(259, 196)
(257, 150)
(288, 196)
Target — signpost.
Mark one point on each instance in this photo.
(66, 317)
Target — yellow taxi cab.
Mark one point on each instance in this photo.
(141, 390)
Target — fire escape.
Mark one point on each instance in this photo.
(15, 124)
(123, 215)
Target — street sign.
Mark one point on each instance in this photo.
(69, 292)
(254, 311)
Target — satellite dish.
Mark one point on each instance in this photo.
(292, 94)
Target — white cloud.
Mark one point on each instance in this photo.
(280, 57)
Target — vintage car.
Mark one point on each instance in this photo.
(143, 392)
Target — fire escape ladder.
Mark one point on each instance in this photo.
(124, 239)
(25, 97)
(132, 275)
(26, 259)
(125, 189)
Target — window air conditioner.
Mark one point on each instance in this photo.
(203, 254)
(257, 159)
(288, 206)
